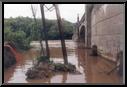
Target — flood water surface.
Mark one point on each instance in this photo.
(88, 73)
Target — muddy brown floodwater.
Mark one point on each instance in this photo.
(92, 69)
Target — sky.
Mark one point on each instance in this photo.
(67, 11)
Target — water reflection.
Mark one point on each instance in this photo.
(91, 69)
(17, 72)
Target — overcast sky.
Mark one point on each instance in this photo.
(68, 11)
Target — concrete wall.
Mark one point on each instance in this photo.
(107, 24)
(88, 9)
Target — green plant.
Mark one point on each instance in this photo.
(43, 59)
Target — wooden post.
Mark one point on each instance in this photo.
(61, 34)
(44, 28)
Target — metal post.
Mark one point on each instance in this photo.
(61, 34)
(44, 28)
(34, 15)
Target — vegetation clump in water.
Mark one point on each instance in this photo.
(45, 68)
(65, 68)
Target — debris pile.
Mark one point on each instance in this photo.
(45, 68)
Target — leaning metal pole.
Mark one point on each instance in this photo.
(60, 27)
(44, 28)
(36, 24)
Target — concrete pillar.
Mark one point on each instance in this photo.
(88, 11)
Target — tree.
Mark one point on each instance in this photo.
(32, 31)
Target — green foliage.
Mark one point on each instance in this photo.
(43, 59)
(19, 38)
(62, 67)
(22, 30)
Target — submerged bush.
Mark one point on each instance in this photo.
(18, 38)
(43, 59)
(47, 69)
(62, 67)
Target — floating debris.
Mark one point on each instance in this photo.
(45, 68)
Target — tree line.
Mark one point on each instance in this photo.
(23, 30)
